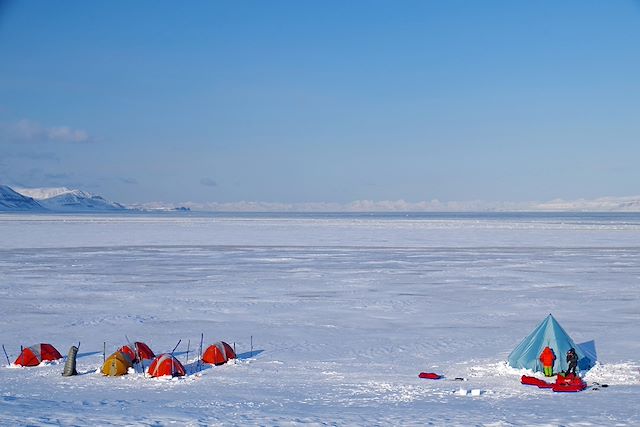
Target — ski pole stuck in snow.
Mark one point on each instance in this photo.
(6, 355)
(200, 352)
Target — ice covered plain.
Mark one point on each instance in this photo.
(345, 311)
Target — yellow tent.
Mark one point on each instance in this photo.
(116, 364)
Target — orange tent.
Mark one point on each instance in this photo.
(166, 364)
(36, 354)
(218, 353)
(137, 351)
(117, 364)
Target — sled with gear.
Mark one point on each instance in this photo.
(570, 383)
(429, 376)
(529, 380)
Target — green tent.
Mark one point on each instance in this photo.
(550, 333)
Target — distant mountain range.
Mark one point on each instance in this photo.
(54, 199)
(62, 199)
(11, 200)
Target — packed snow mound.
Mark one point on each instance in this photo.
(627, 373)
(64, 199)
(13, 201)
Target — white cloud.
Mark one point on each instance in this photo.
(66, 134)
(29, 131)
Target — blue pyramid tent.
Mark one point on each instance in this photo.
(550, 333)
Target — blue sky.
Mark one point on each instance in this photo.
(322, 101)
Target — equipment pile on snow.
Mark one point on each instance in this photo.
(528, 380)
(570, 383)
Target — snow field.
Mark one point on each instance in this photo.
(344, 314)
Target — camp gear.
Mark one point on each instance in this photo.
(70, 364)
(569, 383)
(529, 380)
(429, 375)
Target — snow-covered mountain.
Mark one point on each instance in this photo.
(62, 199)
(10, 200)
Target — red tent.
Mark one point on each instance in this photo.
(218, 353)
(36, 354)
(166, 364)
(137, 351)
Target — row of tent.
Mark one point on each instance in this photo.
(164, 364)
(126, 356)
(526, 355)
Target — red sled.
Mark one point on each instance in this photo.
(525, 379)
(571, 388)
(429, 376)
(570, 383)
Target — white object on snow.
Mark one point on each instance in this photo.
(462, 392)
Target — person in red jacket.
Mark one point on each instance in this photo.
(547, 358)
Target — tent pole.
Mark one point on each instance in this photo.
(188, 345)
(172, 362)
(174, 348)
(135, 354)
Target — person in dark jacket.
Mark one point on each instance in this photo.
(572, 361)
